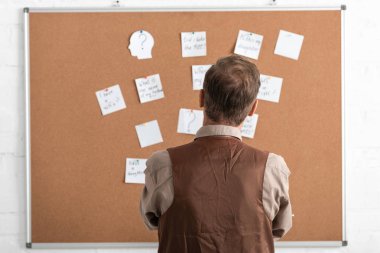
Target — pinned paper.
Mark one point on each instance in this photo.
(134, 170)
(199, 72)
(149, 133)
(110, 99)
(189, 121)
(289, 44)
(141, 44)
(193, 44)
(149, 88)
(249, 126)
(270, 89)
(248, 44)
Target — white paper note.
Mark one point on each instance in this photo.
(193, 44)
(289, 44)
(110, 99)
(189, 121)
(149, 88)
(248, 44)
(141, 44)
(270, 89)
(149, 133)
(249, 126)
(134, 170)
(199, 72)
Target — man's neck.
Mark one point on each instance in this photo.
(208, 122)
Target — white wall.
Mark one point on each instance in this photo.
(363, 119)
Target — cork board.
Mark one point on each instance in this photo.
(78, 156)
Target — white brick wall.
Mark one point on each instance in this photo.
(363, 119)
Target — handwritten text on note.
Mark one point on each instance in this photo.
(199, 72)
(270, 89)
(134, 170)
(110, 99)
(193, 44)
(248, 44)
(249, 126)
(149, 88)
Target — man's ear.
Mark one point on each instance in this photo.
(201, 98)
(254, 107)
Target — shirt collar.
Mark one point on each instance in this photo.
(221, 130)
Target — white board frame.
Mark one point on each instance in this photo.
(280, 244)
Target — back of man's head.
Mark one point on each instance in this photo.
(230, 89)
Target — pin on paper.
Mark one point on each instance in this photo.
(116, 3)
(149, 133)
(141, 44)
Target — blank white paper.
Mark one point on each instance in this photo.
(270, 89)
(189, 121)
(289, 44)
(149, 133)
(110, 99)
(134, 170)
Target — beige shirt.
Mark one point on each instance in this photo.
(158, 192)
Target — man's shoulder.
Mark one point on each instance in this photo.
(158, 160)
(276, 162)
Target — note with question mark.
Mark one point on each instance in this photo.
(141, 44)
(189, 121)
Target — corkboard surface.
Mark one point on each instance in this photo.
(78, 155)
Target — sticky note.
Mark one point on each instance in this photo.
(193, 44)
(134, 170)
(149, 133)
(289, 44)
(189, 121)
(249, 126)
(199, 72)
(270, 89)
(149, 88)
(110, 99)
(248, 44)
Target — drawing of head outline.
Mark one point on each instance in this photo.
(141, 44)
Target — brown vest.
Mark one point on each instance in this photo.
(217, 207)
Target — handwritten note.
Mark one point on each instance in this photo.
(289, 44)
(193, 44)
(110, 99)
(248, 44)
(270, 89)
(189, 121)
(149, 133)
(249, 126)
(149, 88)
(134, 170)
(199, 72)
